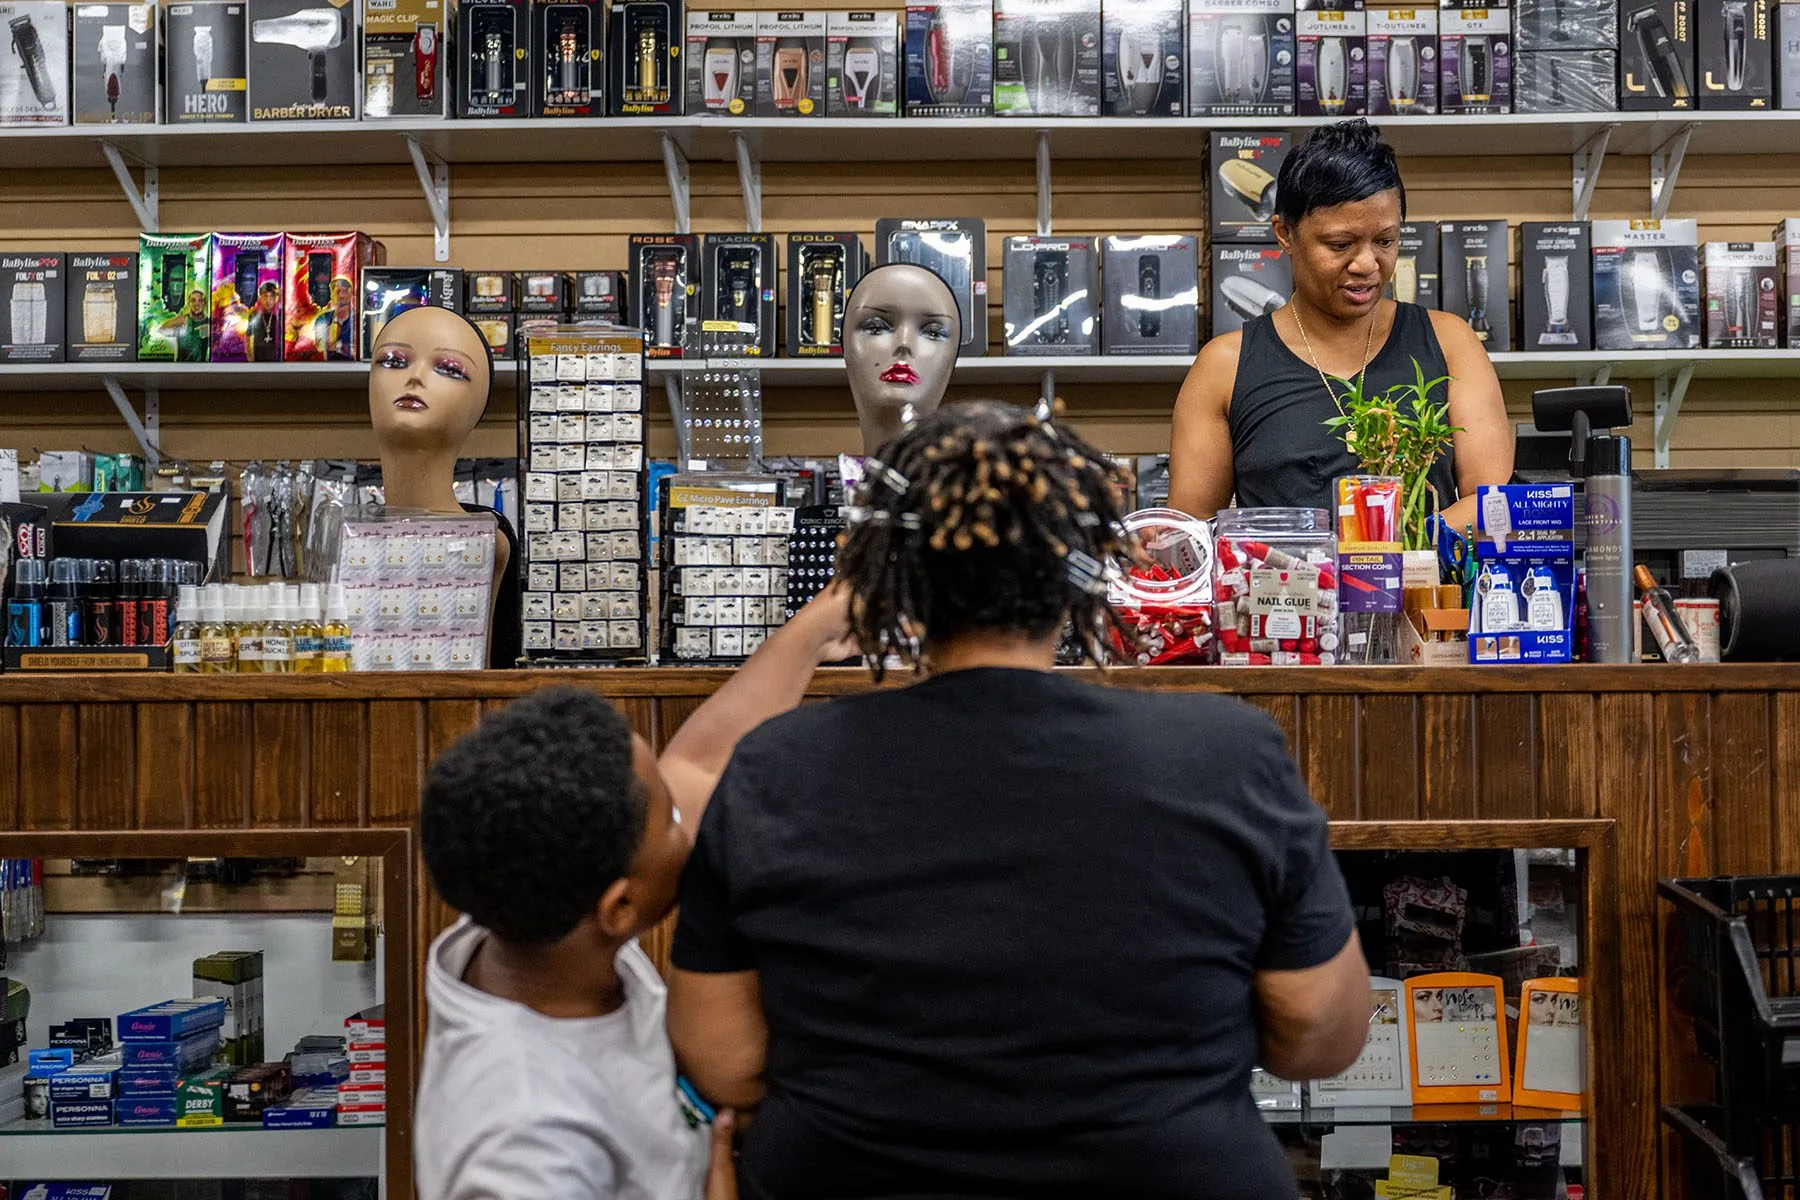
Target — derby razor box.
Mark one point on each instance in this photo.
(1241, 58)
(1732, 48)
(646, 59)
(1646, 285)
(1403, 61)
(302, 64)
(1787, 243)
(102, 308)
(1743, 303)
(1143, 58)
(1656, 54)
(494, 58)
(1556, 298)
(174, 319)
(1244, 167)
(821, 270)
(324, 321)
(406, 58)
(1247, 282)
(204, 46)
(721, 63)
(114, 65)
(32, 302)
(34, 75)
(950, 59)
(790, 64)
(1415, 278)
(568, 40)
(1331, 76)
(247, 315)
(1475, 274)
(956, 250)
(1047, 58)
(738, 308)
(1151, 288)
(1475, 59)
(1051, 295)
(862, 64)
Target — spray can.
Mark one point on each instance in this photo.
(1611, 598)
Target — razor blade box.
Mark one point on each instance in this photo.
(302, 60)
(950, 59)
(1331, 76)
(160, 1080)
(184, 1054)
(85, 1081)
(101, 317)
(862, 63)
(1556, 303)
(1403, 61)
(821, 270)
(1241, 58)
(33, 300)
(407, 52)
(790, 64)
(721, 63)
(1646, 285)
(1051, 295)
(113, 65)
(205, 51)
(568, 40)
(81, 1114)
(955, 249)
(34, 76)
(1047, 58)
(1244, 169)
(145, 1111)
(1247, 282)
(171, 1020)
(1151, 290)
(494, 72)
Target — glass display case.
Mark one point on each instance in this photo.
(206, 1015)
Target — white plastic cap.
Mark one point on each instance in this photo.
(309, 603)
(187, 602)
(337, 605)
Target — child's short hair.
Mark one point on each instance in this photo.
(526, 821)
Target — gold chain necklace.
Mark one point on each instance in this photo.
(1368, 347)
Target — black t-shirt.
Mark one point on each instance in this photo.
(1006, 924)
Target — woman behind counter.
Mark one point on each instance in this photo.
(1251, 416)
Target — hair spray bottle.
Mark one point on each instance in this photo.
(1612, 602)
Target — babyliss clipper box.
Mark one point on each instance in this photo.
(790, 64)
(1575, 81)
(721, 63)
(1247, 282)
(542, 293)
(1143, 58)
(1646, 285)
(738, 300)
(1403, 61)
(1743, 301)
(1151, 289)
(1047, 58)
(665, 289)
(324, 302)
(1734, 52)
(174, 318)
(1787, 250)
(205, 47)
(1331, 78)
(1415, 278)
(821, 270)
(1656, 54)
(955, 249)
(406, 58)
(950, 59)
(1786, 17)
(1546, 26)
(1475, 275)
(113, 65)
(862, 64)
(1556, 297)
(494, 58)
(102, 308)
(34, 77)
(1244, 169)
(248, 321)
(1051, 298)
(489, 292)
(33, 298)
(646, 59)
(389, 291)
(302, 64)
(599, 294)
(1475, 60)
(1241, 58)
(568, 40)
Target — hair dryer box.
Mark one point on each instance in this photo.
(1656, 54)
(113, 65)
(1047, 58)
(665, 289)
(33, 298)
(1241, 58)
(204, 48)
(1331, 75)
(568, 47)
(406, 58)
(1143, 58)
(174, 319)
(1571, 81)
(862, 64)
(1415, 278)
(821, 270)
(790, 64)
(1050, 297)
(1646, 285)
(950, 58)
(248, 324)
(1244, 169)
(34, 77)
(1734, 54)
(738, 306)
(102, 308)
(302, 63)
(324, 302)
(1556, 295)
(721, 63)
(1475, 59)
(1475, 275)
(646, 59)
(1248, 282)
(1151, 290)
(955, 250)
(1403, 61)
(1743, 302)
(1787, 249)
(493, 58)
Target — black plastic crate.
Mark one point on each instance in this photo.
(1712, 1170)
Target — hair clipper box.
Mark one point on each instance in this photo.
(955, 249)
(1574, 81)
(1143, 58)
(34, 77)
(790, 64)
(406, 58)
(1556, 298)
(102, 307)
(568, 40)
(950, 59)
(1151, 289)
(248, 321)
(1734, 52)
(821, 270)
(1332, 51)
(33, 296)
(489, 292)
(1047, 58)
(1475, 60)
(721, 63)
(646, 59)
(862, 63)
(1787, 252)
(738, 294)
(1244, 169)
(599, 294)
(389, 291)
(1241, 58)
(1743, 299)
(1646, 285)
(113, 65)
(542, 293)
(1247, 282)
(1559, 26)
(1656, 54)
(1475, 274)
(665, 288)
(493, 49)
(303, 63)
(1051, 295)
(1416, 273)
(174, 276)
(205, 50)
(1403, 61)
(324, 305)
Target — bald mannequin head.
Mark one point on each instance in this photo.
(429, 374)
(901, 336)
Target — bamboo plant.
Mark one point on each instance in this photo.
(1400, 432)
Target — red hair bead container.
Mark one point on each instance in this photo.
(1166, 597)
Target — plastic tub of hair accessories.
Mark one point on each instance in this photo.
(1166, 597)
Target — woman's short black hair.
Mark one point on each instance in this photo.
(1339, 163)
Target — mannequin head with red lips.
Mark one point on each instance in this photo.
(901, 336)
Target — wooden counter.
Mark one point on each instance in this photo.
(1698, 767)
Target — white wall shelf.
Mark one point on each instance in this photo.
(32, 1150)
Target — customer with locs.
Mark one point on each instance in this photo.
(1007, 932)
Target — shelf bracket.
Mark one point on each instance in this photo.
(749, 182)
(145, 430)
(675, 164)
(1586, 163)
(1043, 183)
(143, 203)
(1599, 378)
(1665, 169)
(1671, 390)
(434, 179)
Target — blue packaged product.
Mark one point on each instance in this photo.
(310, 1109)
(148, 1081)
(88, 1081)
(188, 1054)
(49, 1062)
(79, 1114)
(1525, 519)
(144, 1110)
(66, 1191)
(171, 1019)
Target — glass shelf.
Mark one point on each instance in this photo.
(35, 1150)
(1420, 1114)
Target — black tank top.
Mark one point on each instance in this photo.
(1282, 454)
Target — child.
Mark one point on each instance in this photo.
(560, 837)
